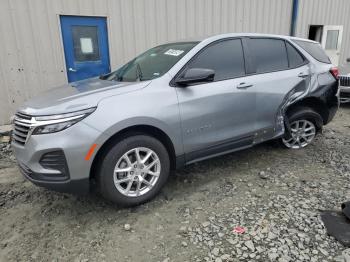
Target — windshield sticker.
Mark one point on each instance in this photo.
(174, 52)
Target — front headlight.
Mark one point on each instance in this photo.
(56, 123)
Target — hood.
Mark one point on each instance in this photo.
(77, 96)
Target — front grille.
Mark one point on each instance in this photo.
(344, 94)
(22, 124)
(23, 116)
(344, 80)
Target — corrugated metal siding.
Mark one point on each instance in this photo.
(326, 12)
(32, 58)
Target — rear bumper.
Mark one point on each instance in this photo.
(330, 97)
(332, 111)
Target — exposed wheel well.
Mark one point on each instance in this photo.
(313, 103)
(130, 131)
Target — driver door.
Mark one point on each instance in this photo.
(218, 116)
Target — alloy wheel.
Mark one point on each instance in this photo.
(302, 134)
(137, 171)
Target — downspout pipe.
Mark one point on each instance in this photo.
(293, 23)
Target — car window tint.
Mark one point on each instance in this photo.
(270, 54)
(294, 57)
(315, 50)
(225, 58)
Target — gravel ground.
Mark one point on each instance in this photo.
(275, 194)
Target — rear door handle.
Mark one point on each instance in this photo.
(244, 85)
(303, 74)
(72, 69)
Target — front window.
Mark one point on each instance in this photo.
(151, 64)
(224, 57)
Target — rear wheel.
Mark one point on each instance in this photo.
(134, 170)
(304, 124)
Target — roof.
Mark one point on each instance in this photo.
(227, 35)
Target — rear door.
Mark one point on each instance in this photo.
(219, 115)
(85, 43)
(278, 71)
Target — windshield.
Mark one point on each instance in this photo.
(152, 64)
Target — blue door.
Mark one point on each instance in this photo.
(85, 43)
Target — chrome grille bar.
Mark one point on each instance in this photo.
(344, 80)
(22, 125)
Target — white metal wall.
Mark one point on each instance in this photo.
(326, 12)
(32, 58)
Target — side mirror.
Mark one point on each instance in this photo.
(348, 60)
(196, 75)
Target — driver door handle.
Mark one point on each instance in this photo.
(72, 69)
(244, 85)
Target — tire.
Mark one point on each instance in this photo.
(305, 123)
(114, 162)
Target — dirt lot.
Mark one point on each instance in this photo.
(274, 193)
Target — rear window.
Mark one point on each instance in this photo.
(315, 50)
(270, 54)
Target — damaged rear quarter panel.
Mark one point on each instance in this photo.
(274, 92)
(328, 90)
(322, 88)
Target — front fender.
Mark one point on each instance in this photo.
(135, 122)
(154, 106)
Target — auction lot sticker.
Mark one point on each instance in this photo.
(174, 52)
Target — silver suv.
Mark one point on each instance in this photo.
(174, 105)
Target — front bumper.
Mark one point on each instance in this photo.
(75, 186)
(74, 143)
(344, 94)
(344, 87)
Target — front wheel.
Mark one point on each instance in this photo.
(304, 124)
(134, 170)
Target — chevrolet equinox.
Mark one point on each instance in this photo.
(174, 105)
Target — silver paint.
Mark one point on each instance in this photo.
(194, 118)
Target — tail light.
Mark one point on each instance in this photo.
(335, 72)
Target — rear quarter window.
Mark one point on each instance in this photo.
(294, 57)
(314, 49)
